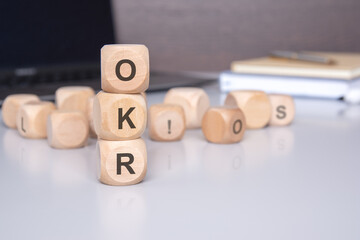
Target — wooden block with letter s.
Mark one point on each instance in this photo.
(194, 101)
(11, 107)
(255, 105)
(124, 68)
(32, 117)
(283, 109)
(166, 122)
(67, 129)
(122, 162)
(119, 116)
(224, 125)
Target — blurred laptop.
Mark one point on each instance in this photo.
(48, 44)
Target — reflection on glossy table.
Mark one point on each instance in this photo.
(296, 182)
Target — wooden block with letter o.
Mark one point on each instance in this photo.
(73, 98)
(124, 68)
(224, 125)
(32, 117)
(255, 105)
(122, 162)
(119, 116)
(283, 109)
(67, 129)
(166, 122)
(194, 101)
(11, 107)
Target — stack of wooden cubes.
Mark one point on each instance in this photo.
(120, 113)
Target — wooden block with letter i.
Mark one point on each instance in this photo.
(224, 125)
(166, 122)
(67, 129)
(122, 162)
(119, 116)
(32, 117)
(124, 68)
(255, 105)
(194, 101)
(11, 107)
(283, 109)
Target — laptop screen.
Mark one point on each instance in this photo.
(44, 33)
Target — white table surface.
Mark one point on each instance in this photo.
(296, 182)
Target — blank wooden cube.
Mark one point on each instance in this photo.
(32, 117)
(90, 113)
(73, 98)
(67, 129)
(255, 105)
(122, 162)
(224, 125)
(11, 107)
(194, 101)
(166, 122)
(119, 116)
(283, 109)
(124, 68)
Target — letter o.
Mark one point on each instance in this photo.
(235, 130)
(133, 70)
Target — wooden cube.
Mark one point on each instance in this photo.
(224, 125)
(255, 105)
(124, 68)
(119, 116)
(166, 122)
(67, 129)
(11, 107)
(122, 162)
(90, 113)
(283, 109)
(194, 101)
(32, 117)
(73, 98)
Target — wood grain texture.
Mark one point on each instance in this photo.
(11, 107)
(224, 125)
(74, 98)
(207, 35)
(117, 73)
(67, 129)
(113, 153)
(166, 122)
(32, 117)
(283, 109)
(119, 116)
(255, 105)
(194, 101)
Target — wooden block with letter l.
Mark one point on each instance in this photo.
(32, 117)
(122, 162)
(124, 68)
(166, 122)
(224, 125)
(73, 98)
(67, 129)
(194, 101)
(283, 109)
(119, 116)
(255, 105)
(11, 107)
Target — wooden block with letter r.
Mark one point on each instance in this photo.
(194, 101)
(255, 105)
(122, 162)
(283, 109)
(119, 116)
(166, 122)
(224, 125)
(32, 117)
(124, 68)
(11, 107)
